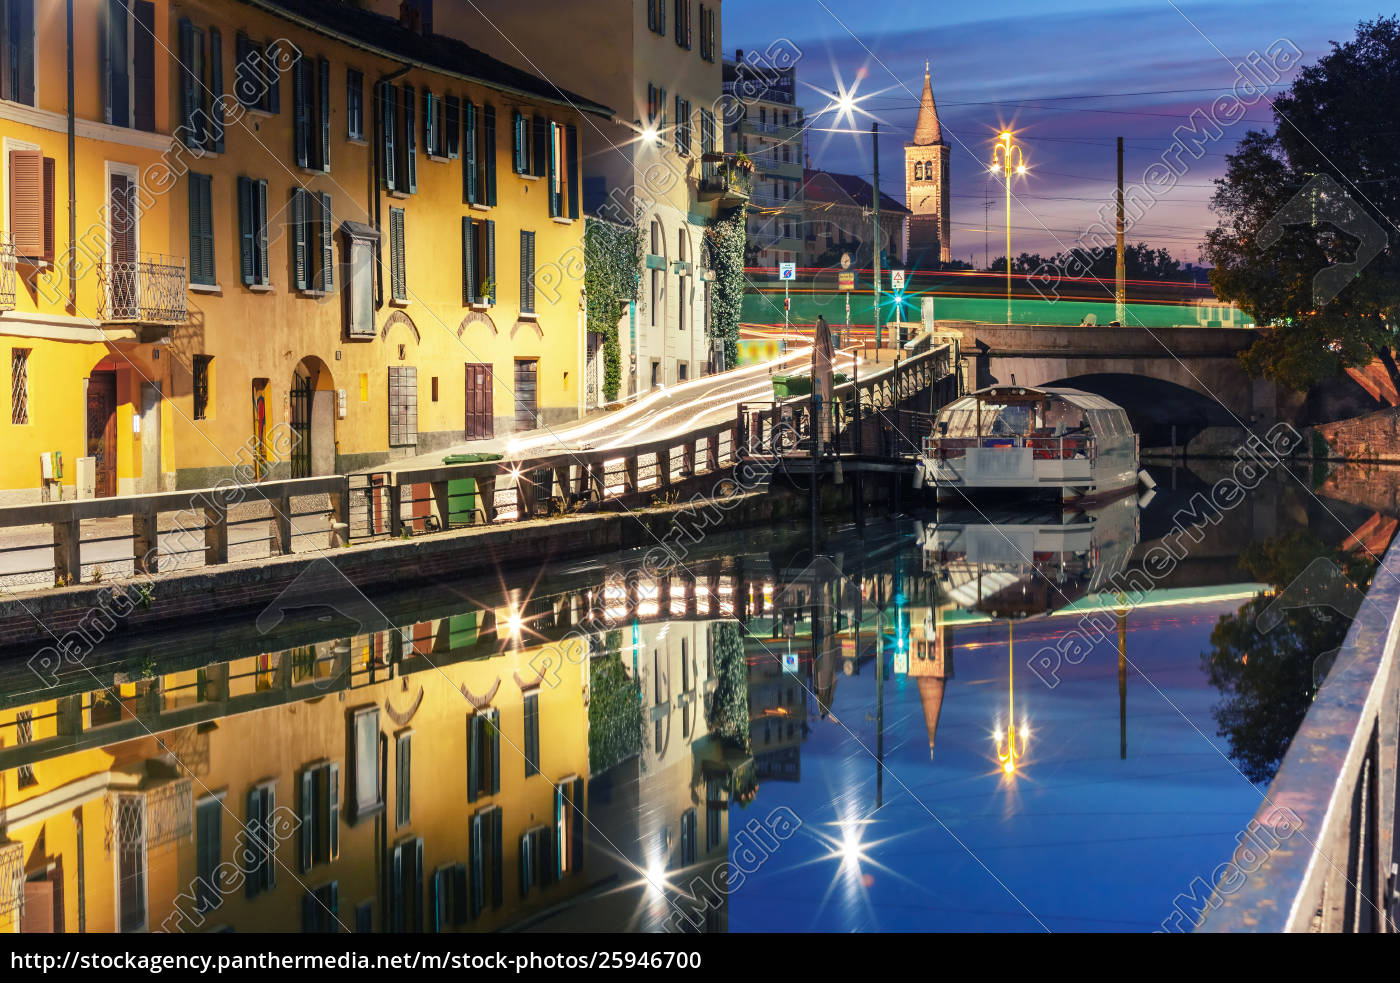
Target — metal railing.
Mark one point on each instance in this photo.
(8, 276)
(722, 177)
(1319, 855)
(149, 290)
(1062, 448)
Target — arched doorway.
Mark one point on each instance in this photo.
(312, 418)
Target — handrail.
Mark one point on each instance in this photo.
(1319, 853)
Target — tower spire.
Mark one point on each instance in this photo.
(927, 130)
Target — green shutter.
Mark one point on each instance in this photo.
(571, 164)
(453, 113)
(396, 898)
(201, 230)
(299, 245)
(410, 144)
(324, 107)
(469, 159)
(327, 245)
(388, 126)
(252, 826)
(525, 877)
(189, 94)
(398, 270)
(272, 96)
(488, 147)
(261, 220)
(332, 811)
(468, 260)
(478, 862)
(576, 830)
(491, 258)
(308, 819)
(216, 79)
(247, 254)
(301, 112)
(418, 885)
(498, 886)
(473, 758)
(495, 752)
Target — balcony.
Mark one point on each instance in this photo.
(725, 179)
(7, 273)
(145, 291)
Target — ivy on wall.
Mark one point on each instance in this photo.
(614, 709)
(612, 277)
(726, 236)
(727, 710)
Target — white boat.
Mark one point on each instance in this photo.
(1072, 445)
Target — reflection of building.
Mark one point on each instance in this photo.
(777, 709)
(927, 187)
(837, 209)
(931, 666)
(771, 133)
(356, 785)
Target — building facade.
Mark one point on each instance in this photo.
(838, 210)
(768, 128)
(657, 63)
(301, 238)
(927, 185)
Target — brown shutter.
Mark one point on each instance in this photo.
(27, 202)
(49, 192)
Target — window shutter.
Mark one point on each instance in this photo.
(532, 734)
(118, 86)
(332, 811)
(489, 149)
(189, 93)
(403, 774)
(517, 143)
(553, 176)
(496, 754)
(398, 275)
(498, 886)
(571, 163)
(473, 761)
(410, 144)
(327, 245)
(50, 188)
(216, 79)
(301, 112)
(201, 230)
(491, 258)
(308, 819)
(324, 108)
(418, 885)
(260, 217)
(469, 175)
(388, 124)
(298, 224)
(27, 202)
(252, 830)
(539, 140)
(430, 146)
(453, 112)
(247, 266)
(396, 897)
(18, 57)
(272, 76)
(468, 261)
(269, 806)
(525, 305)
(143, 64)
(246, 83)
(524, 864)
(478, 862)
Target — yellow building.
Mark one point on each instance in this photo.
(427, 780)
(307, 238)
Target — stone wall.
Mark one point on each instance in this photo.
(1375, 436)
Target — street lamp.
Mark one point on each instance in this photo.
(1007, 158)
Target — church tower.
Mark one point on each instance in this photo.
(926, 186)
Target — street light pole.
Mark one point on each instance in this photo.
(875, 141)
(1011, 158)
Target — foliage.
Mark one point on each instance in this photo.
(614, 713)
(1140, 262)
(612, 277)
(728, 710)
(1337, 121)
(726, 235)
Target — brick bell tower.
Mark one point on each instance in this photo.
(926, 186)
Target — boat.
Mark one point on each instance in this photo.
(1061, 443)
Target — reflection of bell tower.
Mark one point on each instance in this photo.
(931, 667)
(926, 186)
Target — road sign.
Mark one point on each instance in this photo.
(790, 662)
(787, 271)
(846, 281)
(845, 261)
(896, 279)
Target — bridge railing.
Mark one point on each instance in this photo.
(1319, 855)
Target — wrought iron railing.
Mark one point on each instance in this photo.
(11, 877)
(149, 290)
(7, 273)
(724, 175)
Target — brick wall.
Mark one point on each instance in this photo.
(1375, 436)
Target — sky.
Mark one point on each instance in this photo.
(1069, 77)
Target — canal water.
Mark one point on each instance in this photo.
(974, 719)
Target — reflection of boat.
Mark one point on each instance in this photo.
(1018, 564)
(1072, 444)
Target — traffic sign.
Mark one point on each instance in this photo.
(846, 281)
(790, 662)
(787, 271)
(896, 279)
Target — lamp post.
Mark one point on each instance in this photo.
(1007, 158)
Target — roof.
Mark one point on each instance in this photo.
(386, 36)
(927, 130)
(844, 189)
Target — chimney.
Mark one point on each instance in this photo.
(410, 17)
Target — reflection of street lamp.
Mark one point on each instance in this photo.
(1011, 158)
(1015, 744)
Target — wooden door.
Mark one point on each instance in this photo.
(480, 413)
(526, 390)
(102, 431)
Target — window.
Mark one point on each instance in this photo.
(406, 886)
(563, 170)
(690, 829)
(527, 272)
(447, 897)
(403, 405)
(714, 813)
(442, 119)
(683, 298)
(320, 909)
(358, 246)
(312, 237)
(201, 386)
(17, 51)
(532, 734)
(126, 50)
(256, 76)
(201, 76)
(568, 826)
(398, 274)
(707, 32)
(364, 918)
(537, 866)
(656, 16)
(478, 262)
(656, 112)
(24, 734)
(683, 24)
(706, 325)
(260, 842)
(202, 229)
(354, 104)
(130, 823)
(311, 113)
(479, 155)
(683, 130)
(403, 774)
(707, 131)
(19, 386)
(32, 205)
(486, 861)
(320, 814)
(520, 143)
(399, 156)
(364, 774)
(408, 145)
(658, 273)
(483, 754)
(208, 848)
(252, 231)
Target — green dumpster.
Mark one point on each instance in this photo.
(786, 386)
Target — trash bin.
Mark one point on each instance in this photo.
(461, 492)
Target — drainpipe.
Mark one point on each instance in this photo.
(72, 180)
(375, 191)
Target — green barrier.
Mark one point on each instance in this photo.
(461, 501)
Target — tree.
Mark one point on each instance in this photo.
(1337, 123)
